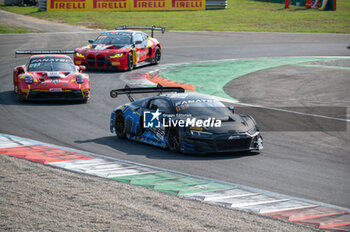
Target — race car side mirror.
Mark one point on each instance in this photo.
(82, 68)
(138, 42)
(231, 108)
(20, 70)
(91, 41)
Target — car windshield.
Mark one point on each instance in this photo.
(114, 38)
(202, 108)
(51, 64)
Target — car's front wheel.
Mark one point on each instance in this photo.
(130, 62)
(119, 125)
(174, 139)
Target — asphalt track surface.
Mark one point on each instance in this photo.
(311, 165)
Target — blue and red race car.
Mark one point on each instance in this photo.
(120, 49)
(50, 76)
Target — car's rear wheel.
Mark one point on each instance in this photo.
(130, 61)
(174, 139)
(157, 56)
(119, 125)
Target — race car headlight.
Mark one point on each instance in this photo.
(252, 131)
(79, 55)
(28, 80)
(80, 79)
(200, 133)
(118, 55)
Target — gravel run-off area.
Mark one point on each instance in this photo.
(36, 197)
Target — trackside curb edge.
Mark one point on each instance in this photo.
(310, 213)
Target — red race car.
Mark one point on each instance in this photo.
(120, 49)
(50, 77)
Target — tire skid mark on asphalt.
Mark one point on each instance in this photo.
(275, 205)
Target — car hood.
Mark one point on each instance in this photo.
(235, 124)
(49, 75)
(104, 47)
(43, 79)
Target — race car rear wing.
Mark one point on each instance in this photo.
(152, 28)
(159, 89)
(44, 52)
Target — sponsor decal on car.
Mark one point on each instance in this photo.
(55, 81)
(53, 74)
(55, 90)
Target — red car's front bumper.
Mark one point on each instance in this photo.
(102, 61)
(59, 91)
(65, 94)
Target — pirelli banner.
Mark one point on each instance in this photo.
(124, 5)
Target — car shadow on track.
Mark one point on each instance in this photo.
(99, 71)
(10, 98)
(152, 152)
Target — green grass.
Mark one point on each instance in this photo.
(5, 29)
(241, 15)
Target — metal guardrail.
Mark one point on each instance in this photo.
(215, 4)
(209, 4)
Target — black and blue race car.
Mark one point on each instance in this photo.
(183, 122)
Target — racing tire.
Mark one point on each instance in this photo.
(157, 56)
(130, 61)
(174, 139)
(119, 125)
